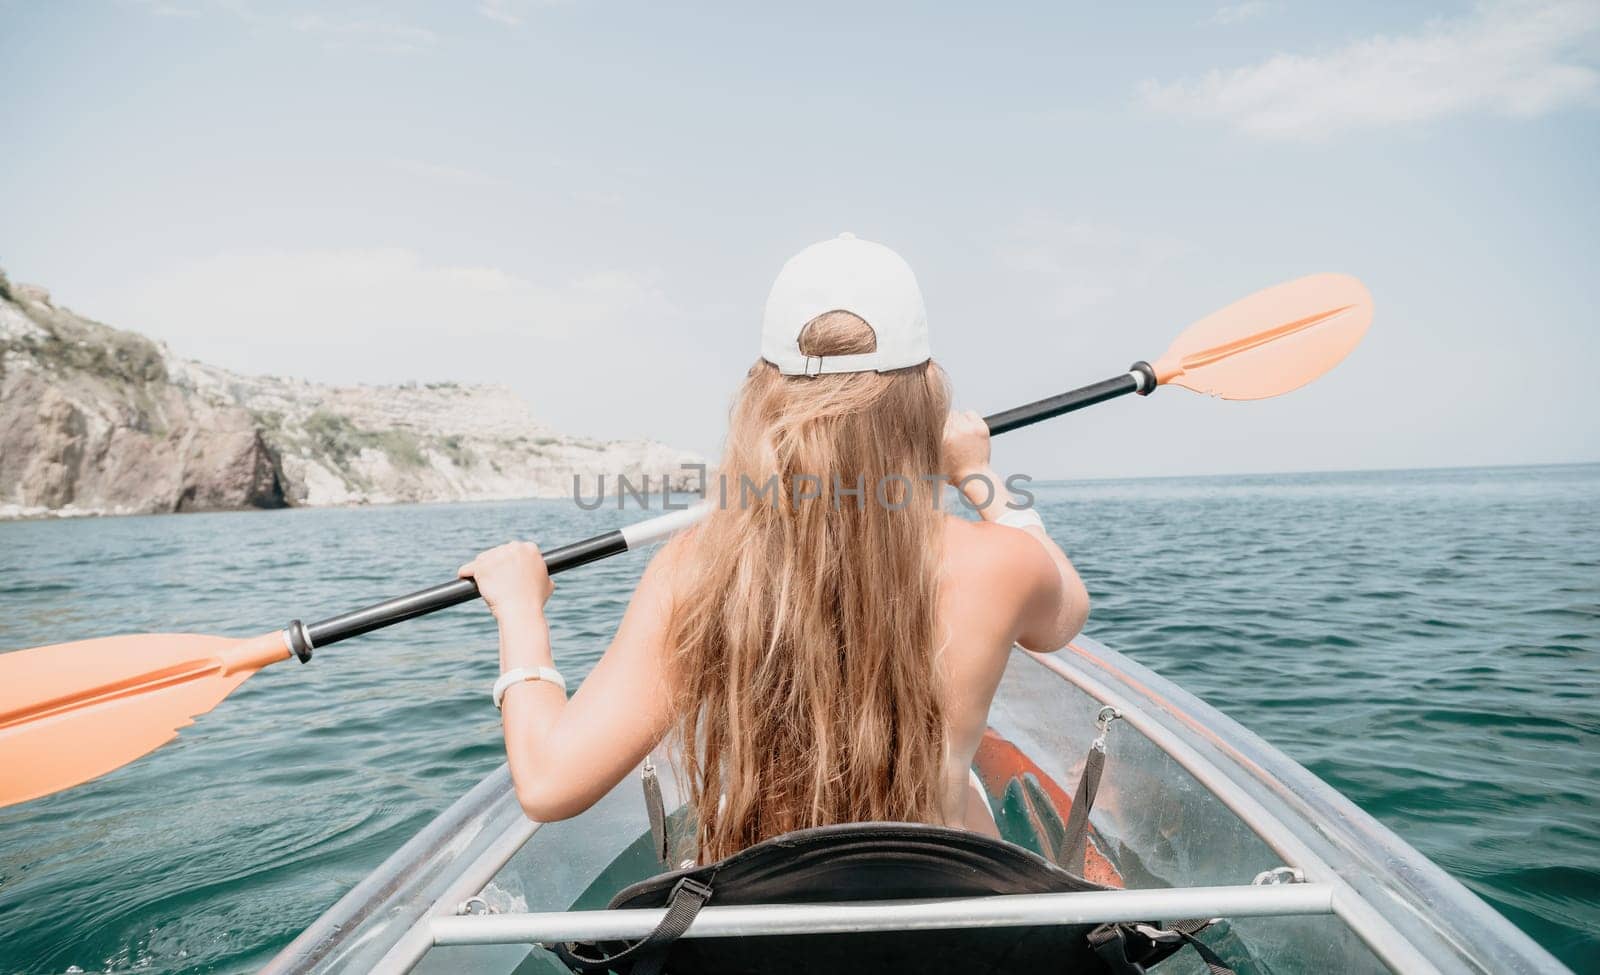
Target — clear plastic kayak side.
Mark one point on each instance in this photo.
(1405, 909)
(451, 858)
(1189, 798)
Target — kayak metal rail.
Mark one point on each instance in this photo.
(993, 911)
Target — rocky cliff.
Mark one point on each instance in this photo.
(95, 420)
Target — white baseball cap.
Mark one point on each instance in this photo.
(868, 280)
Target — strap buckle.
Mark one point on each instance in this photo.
(1160, 936)
(810, 371)
(693, 888)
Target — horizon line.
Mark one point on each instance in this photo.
(1333, 470)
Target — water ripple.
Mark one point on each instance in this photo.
(1428, 642)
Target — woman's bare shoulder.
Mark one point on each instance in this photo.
(992, 574)
(669, 570)
(998, 556)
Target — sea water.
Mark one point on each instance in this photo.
(1426, 641)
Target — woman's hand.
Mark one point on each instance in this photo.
(512, 579)
(966, 445)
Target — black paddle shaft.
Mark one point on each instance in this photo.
(303, 638)
(1140, 378)
(425, 601)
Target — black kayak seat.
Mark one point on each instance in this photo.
(857, 862)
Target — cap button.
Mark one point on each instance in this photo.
(847, 235)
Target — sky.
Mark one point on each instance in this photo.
(587, 200)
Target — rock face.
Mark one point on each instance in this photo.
(94, 420)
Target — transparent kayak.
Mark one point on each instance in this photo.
(1196, 817)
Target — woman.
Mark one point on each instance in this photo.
(824, 646)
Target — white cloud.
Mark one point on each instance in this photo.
(438, 174)
(511, 12)
(1078, 264)
(437, 177)
(598, 199)
(164, 8)
(1234, 13)
(1517, 58)
(357, 31)
(502, 11)
(374, 35)
(378, 314)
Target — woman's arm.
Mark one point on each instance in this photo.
(565, 755)
(1058, 603)
(1058, 606)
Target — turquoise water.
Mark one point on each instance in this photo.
(1428, 642)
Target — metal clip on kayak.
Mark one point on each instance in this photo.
(1102, 723)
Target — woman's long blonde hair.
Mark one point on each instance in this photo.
(803, 630)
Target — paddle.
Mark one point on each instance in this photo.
(74, 711)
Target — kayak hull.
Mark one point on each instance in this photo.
(1190, 802)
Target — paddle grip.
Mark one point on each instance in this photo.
(1076, 399)
(452, 593)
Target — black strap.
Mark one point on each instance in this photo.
(1110, 943)
(1127, 949)
(1212, 960)
(1191, 927)
(648, 955)
(1074, 844)
(656, 809)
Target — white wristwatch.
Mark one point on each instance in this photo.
(520, 674)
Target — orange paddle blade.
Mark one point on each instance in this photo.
(1272, 342)
(74, 711)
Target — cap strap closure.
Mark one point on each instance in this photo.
(817, 365)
